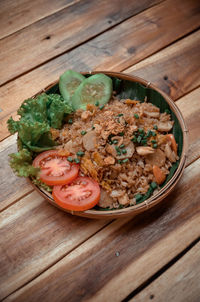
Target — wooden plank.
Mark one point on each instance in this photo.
(109, 49)
(192, 120)
(8, 195)
(179, 283)
(62, 31)
(178, 67)
(15, 15)
(123, 255)
(33, 236)
(11, 187)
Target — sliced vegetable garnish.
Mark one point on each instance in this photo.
(55, 169)
(68, 83)
(80, 195)
(96, 89)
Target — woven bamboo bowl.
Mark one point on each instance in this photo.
(162, 193)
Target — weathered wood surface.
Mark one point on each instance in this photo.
(184, 275)
(15, 15)
(33, 236)
(8, 196)
(57, 33)
(124, 254)
(176, 66)
(144, 40)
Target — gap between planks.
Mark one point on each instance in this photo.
(56, 64)
(133, 295)
(82, 41)
(53, 11)
(181, 233)
(179, 282)
(185, 172)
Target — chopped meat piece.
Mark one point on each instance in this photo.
(109, 160)
(89, 141)
(85, 115)
(152, 114)
(170, 154)
(157, 158)
(124, 200)
(165, 126)
(144, 150)
(105, 200)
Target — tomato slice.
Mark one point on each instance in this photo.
(80, 195)
(55, 168)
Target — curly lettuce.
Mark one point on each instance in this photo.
(21, 163)
(37, 116)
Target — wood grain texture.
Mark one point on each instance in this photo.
(11, 187)
(62, 31)
(193, 122)
(179, 283)
(178, 66)
(8, 195)
(15, 15)
(33, 236)
(124, 254)
(146, 40)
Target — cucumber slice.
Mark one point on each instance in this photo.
(68, 83)
(96, 88)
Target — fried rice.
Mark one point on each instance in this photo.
(119, 144)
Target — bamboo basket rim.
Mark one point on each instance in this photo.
(162, 193)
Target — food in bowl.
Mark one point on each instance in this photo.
(121, 150)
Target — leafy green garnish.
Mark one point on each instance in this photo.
(39, 183)
(21, 163)
(56, 110)
(37, 116)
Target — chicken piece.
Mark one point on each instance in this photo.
(152, 114)
(144, 150)
(117, 193)
(85, 115)
(111, 150)
(98, 128)
(157, 158)
(170, 154)
(109, 160)
(105, 200)
(71, 147)
(165, 126)
(124, 200)
(89, 141)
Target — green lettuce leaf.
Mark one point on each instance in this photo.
(56, 110)
(34, 110)
(37, 116)
(41, 184)
(12, 125)
(21, 163)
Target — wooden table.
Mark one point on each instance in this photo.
(48, 255)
